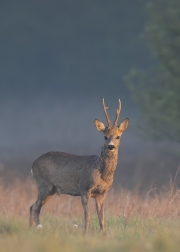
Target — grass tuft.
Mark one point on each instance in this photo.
(132, 222)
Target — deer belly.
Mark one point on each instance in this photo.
(70, 187)
(68, 190)
(66, 182)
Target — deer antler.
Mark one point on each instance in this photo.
(106, 114)
(117, 113)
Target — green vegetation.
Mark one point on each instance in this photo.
(149, 234)
(133, 222)
(156, 91)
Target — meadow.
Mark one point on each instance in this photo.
(133, 221)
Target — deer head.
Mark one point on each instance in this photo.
(112, 133)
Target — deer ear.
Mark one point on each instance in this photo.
(124, 125)
(99, 125)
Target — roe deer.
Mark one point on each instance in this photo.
(85, 176)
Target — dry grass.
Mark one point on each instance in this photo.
(16, 198)
(134, 222)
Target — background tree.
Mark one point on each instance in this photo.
(157, 91)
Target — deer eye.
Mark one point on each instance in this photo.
(117, 137)
(105, 137)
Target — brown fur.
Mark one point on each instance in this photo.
(85, 176)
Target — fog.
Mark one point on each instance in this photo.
(58, 59)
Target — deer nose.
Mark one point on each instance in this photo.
(110, 146)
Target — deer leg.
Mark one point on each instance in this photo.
(31, 218)
(85, 196)
(34, 212)
(43, 196)
(100, 210)
(37, 209)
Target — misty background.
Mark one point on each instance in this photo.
(58, 59)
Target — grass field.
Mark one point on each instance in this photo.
(134, 222)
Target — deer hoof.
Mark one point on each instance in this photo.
(39, 226)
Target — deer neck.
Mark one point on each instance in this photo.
(109, 163)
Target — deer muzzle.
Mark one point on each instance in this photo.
(111, 147)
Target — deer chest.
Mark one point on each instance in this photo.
(101, 189)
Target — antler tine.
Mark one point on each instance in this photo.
(118, 111)
(106, 114)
